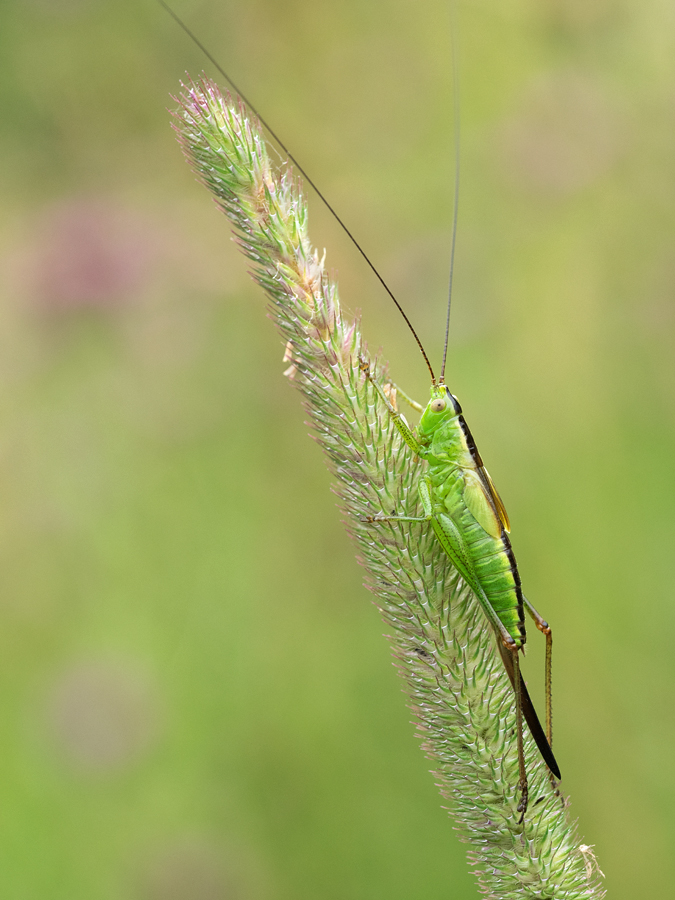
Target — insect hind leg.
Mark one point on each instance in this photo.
(545, 629)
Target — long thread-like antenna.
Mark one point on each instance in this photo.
(300, 169)
(455, 104)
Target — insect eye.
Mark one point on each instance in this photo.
(438, 405)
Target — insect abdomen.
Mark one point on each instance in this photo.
(492, 564)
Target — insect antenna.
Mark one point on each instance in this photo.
(300, 169)
(455, 105)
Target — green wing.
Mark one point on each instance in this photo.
(496, 499)
(483, 501)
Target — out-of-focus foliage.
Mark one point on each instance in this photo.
(196, 699)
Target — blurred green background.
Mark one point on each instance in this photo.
(196, 698)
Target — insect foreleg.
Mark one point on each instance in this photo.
(404, 429)
(545, 629)
(408, 399)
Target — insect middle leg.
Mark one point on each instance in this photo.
(425, 495)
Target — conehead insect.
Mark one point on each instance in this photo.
(461, 507)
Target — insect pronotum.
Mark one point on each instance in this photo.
(459, 501)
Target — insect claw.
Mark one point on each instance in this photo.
(522, 805)
(378, 517)
(390, 393)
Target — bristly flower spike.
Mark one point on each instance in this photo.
(457, 687)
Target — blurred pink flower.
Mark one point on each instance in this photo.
(103, 715)
(90, 253)
(188, 869)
